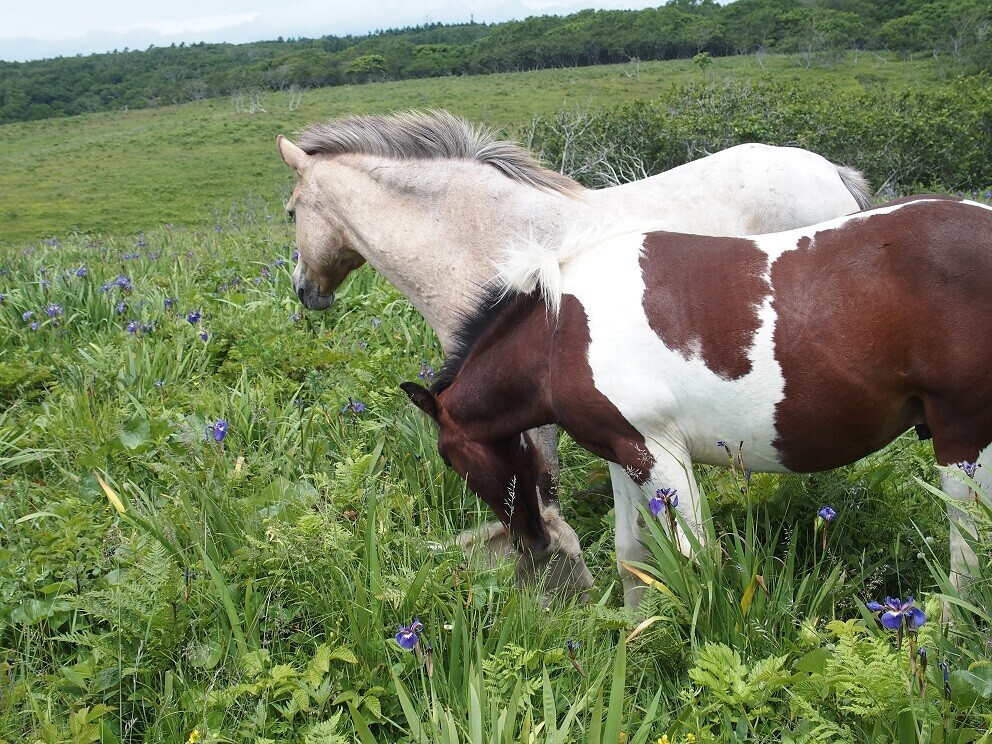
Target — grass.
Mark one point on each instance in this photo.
(129, 171)
(156, 582)
(158, 585)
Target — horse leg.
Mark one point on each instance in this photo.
(962, 524)
(672, 469)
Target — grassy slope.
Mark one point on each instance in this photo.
(130, 171)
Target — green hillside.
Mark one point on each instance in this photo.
(131, 171)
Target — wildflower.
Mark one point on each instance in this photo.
(827, 514)
(194, 317)
(218, 430)
(27, 315)
(34, 326)
(160, 383)
(169, 302)
(969, 468)
(376, 322)
(296, 255)
(664, 499)
(355, 406)
(140, 242)
(80, 272)
(280, 263)
(132, 326)
(3, 298)
(194, 737)
(53, 310)
(426, 373)
(897, 614)
(204, 335)
(409, 635)
(295, 318)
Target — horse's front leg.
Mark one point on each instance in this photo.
(667, 466)
(963, 558)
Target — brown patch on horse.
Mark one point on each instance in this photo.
(588, 416)
(863, 349)
(702, 296)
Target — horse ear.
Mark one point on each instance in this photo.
(422, 398)
(292, 155)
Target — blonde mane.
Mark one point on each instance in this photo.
(431, 135)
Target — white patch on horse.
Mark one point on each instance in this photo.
(689, 404)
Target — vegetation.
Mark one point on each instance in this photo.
(220, 521)
(957, 30)
(187, 165)
(217, 509)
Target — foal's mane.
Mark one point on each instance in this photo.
(431, 135)
(499, 307)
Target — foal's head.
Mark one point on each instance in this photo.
(507, 473)
(510, 474)
(326, 256)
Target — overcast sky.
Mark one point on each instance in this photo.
(34, 29)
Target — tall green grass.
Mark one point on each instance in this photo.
(158, 585)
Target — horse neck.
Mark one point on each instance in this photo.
(436, 229)
(503, 386)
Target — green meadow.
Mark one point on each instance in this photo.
(221, 521)
(130, 171)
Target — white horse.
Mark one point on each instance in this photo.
(431, 202)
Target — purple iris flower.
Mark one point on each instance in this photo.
(133, 326)
(355, 406)
(218, 430)
(169, 302)
(204, 335)
(27, 315)
(896, 613)
(969, 468)
(664, 499)
(827, 514)
(53, 310)
(194, 317)
(409, 635)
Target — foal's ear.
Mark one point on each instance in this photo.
(292, 155)
(422, 398)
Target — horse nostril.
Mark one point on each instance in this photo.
(299, 293)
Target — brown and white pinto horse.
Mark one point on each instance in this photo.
(813, 347)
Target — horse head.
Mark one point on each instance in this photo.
(510, 475)
(326, 256)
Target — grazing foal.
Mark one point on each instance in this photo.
(812, 347)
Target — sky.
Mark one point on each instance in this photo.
(36, 29)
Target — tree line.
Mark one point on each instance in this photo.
(958, 30)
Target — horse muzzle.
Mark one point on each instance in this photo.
(311, 297)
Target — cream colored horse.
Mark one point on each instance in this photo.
(431, 202)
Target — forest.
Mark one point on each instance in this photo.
(955, 30)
